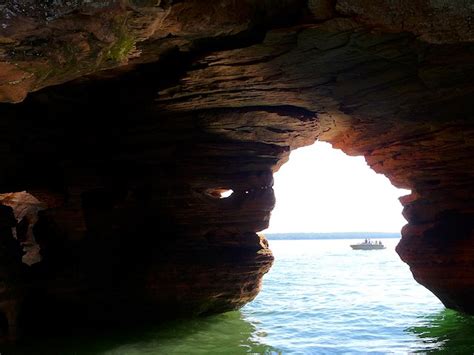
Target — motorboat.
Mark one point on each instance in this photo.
(368, 245)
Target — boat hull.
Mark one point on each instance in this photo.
(367, 246)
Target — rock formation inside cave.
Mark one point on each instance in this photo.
(124, 121)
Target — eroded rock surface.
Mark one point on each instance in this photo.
(436, 21)
(45, 43)
(129, 163)
(402, 103)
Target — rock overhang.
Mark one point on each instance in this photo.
(126, 157)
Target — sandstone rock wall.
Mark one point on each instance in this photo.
(129, 162)
(402, 103)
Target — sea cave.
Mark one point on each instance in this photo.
(139, 140)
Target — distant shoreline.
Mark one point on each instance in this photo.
(336, 235)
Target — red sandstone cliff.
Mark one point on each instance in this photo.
(177, 98)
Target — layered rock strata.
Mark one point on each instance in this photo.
(129, 164)
(403, 104)
(44, 43)
(128, 230)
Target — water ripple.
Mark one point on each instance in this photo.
(319, 298)
(322, 297)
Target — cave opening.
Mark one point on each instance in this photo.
(148, 133)
(20, 214)
(219, 192)
(323, 190)
(320, 288)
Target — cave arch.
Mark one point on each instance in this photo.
(224, 106)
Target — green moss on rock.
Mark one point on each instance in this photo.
(122, 47)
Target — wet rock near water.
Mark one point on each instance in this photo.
(131, 118)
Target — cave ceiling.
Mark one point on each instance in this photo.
(126, 119)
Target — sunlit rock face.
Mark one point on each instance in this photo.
(128, 165)
(402, 103)
(44, 43)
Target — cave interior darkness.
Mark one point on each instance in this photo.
(128, 164)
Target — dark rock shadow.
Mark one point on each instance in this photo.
(227, 333)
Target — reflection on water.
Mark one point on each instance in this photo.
(320, 297)
(227, 333)
(446, 332)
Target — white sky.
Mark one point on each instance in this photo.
(321, 189)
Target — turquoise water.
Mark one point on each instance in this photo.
(320, 297)
(323, 297)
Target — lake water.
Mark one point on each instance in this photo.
(323, 297)
(320, 297)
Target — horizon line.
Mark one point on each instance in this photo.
(330, 232)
